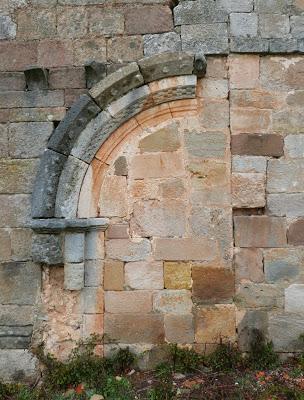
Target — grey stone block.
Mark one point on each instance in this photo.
(17, 366)
(205, 38)
(297, 26)
(7, 27)
(285, 330)
(95, 71)
(198, 12)
(93, 273)
(235, 5)
(286, 204)
(33, 99)
(283, 265)
(76, 225)
(14, 342)
(47, 249)
(91, 301)
(244, 24)
(285, 176)
(273, 6)
(15, 315)
(36, 78)
(19, 283)
(165, 65)
(94, 247)
(249, 45)
(253, 319)
(73, 276)
(294, 146)
(74, 247)
(162, 42)
(69, 187)
(45, 189)
(116, 85)
(249, 164)
(15, 210)
(283, 45)
(76, 119)
(17, 176)
(273, 25)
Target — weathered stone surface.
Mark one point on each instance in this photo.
(206, 144)
(128, 250)
(47, 249)
(215, 324)
(179, 328)
(148, 19)
(274, 25)
(283, 265)
(198, 249)
(235, 5)
(38, 25)
(285, 330)
(248, 190)
(94, 245)
(289, 120)
(177, 275)
(36, 78)
(286, 204)
(247, 322)
(118, 231)
(144, 275)
(212, 285)
(217, 67)
(21, 240)
(212, 195)
(74, 247)
(121, 166)
(113, 275)
(249, 164)
(93, 273)
(86, 50)
(17, 176)
(244, 71)
(297, 26)
(259, 231)
(15, 315)
(14, 210)
(73, 276)
(72, 22)
(259, 295)
(123, 49)
(93, 300)
(161, 43)
(201, 11)
(94, 72)
(45, 114)
(79, 115)
(113, 197)
(134, 328)
(161, 165)
(283, 45)
(285, 176)
(250, 120)
(5, 245)
(18, 365)
(4, 141)
(17, 337)
(243, 24)
(295, 233)
(172, 301)
(105, 22)
(92, 324)
(12, 81)
(294, 298)
(165, 139)
(248, 265)
(31, 99)
(164, 65)
(7, 27)
(16, 56)
(257, 145)
(257, 98)
(121, 302)
(20, 283)
(249, 45)
(215, 88)
(116, 85)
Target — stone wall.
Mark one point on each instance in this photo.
(244, 130)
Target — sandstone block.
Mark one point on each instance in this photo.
(5, 245)
(4, 141)
(93, 300)
(18, 365)
(248, 265)
(113, 275)
(62, 78)
(177, 275)
(285, 176)
(249, 164)
(118, 231)
(247, 321)
(214, 115)
(144, 275)
(173, 188)
(214, 88)
(73, 276)
(92, 324)
(286, 204)
(285, 330)
(86, 50)
(36, 25)
(259, 231)
(294, 298)
(249, 120)
(197, 249)
(134, 328)
(212, 285)
(105, 22)
(215, 324)
(257, 145)
(283, 265)
(295, 233)
(128, 250)
(294, 146)
(121, 166)
(259, 295)
(121, 302)
(55, 53)
(16, 56)
(256, 98)
(206, 145)
(165, 139)
(217, 67)
(289, 120)
(179, 328)
(161, 43)
(125, 48)
(172, 301)
(113, 199)
(17, 176)
(248, 190)
(274, 25)
(94, 245)
(31, 99)
(161, 165)
(244, 24)
(15, 210)
(244, 71)
(93, 273)
(147, 19)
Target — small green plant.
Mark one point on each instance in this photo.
(261, 354)
(117, 388)
(122, 360)
(185, 360)
(163, 388)
(225, 358)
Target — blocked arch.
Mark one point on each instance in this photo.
(91, 120)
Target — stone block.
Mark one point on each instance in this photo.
(249, 164)
(259, 295)
(249, 45)
(12, 81)
(93, 300)
(147, 19)
(215, 324)
(173, 188)
(285, 176)
(172, 301)
(294, 146)
(15, 210)
(294, 298)
(286, 204)
(259, 231)
(16, 56)
(113, 197)
(206, 144)
(105, 22)
(15, 337)
(74, 276)
(7, 27)
(283, 265)
(116, 85)
(144, 275)
(212, 285)
(165, 139)
(53, 53)
(31, 99)
(17, 176)
(122, 302)
(295, 98)
(94, 72)
(169, 90)
(196, 12)
(217, 67)
(161, 165)
(161, 43)
(118, 231)
(197, 249)
(134, 328)
(40, 24)
(248, 190)
(177, 275)
(74, 247)
(16, 316)
(47, 249)
(285, 330)
(86, 50)
(125, 48)
(128, 250)
(283, 45)
(249, 120)
(92, 324)
(20, 283)
(93, 273)
(243, 24)
(268, 7)
(257, 145)
(45, 114)
(113, 275)
(62, 78)
(121, 166)
(94, 245)
(248, 265)
(291, 121)
(205, 38)
(159, 218)
(5, 245)
(179, 329)
(256, 98)
(18, 365)
(164, 65)
(295, 234)
(297, 26)
(247, 322)
(235, 5)
(214, 88)
(72, 22)
(4, 151)
(244, 71)
(273, 25)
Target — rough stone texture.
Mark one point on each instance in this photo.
(73, 276)
(294, 298)
(93, 273)
(247, 321)
(113, 275)
(248, 190)
(172, 301)
(257, 145)
(128, 250)
(244, 24)
(15, 210)
(113, 199)
(18, 365)
(47, 249)
(73, 247)
(286, 204)
(148, 20)
(248, 265)
(143, 275)
(161, 42)
(283, 265)
(294, 146)
(179, 328)
(284, 331)
(285, 176)
(249, 164)
(17, 176)
(295, 234)
(123, 302)
(177, 275)
(253, 295)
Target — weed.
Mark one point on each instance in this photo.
(163, 388)
(225, 358)
(122, 360)
(117, 388)
(185, 360)
(261, 354)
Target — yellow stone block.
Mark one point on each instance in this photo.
(177, 275)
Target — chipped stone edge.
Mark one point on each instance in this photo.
(57, 225)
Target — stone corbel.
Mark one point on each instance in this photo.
(76, 243)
